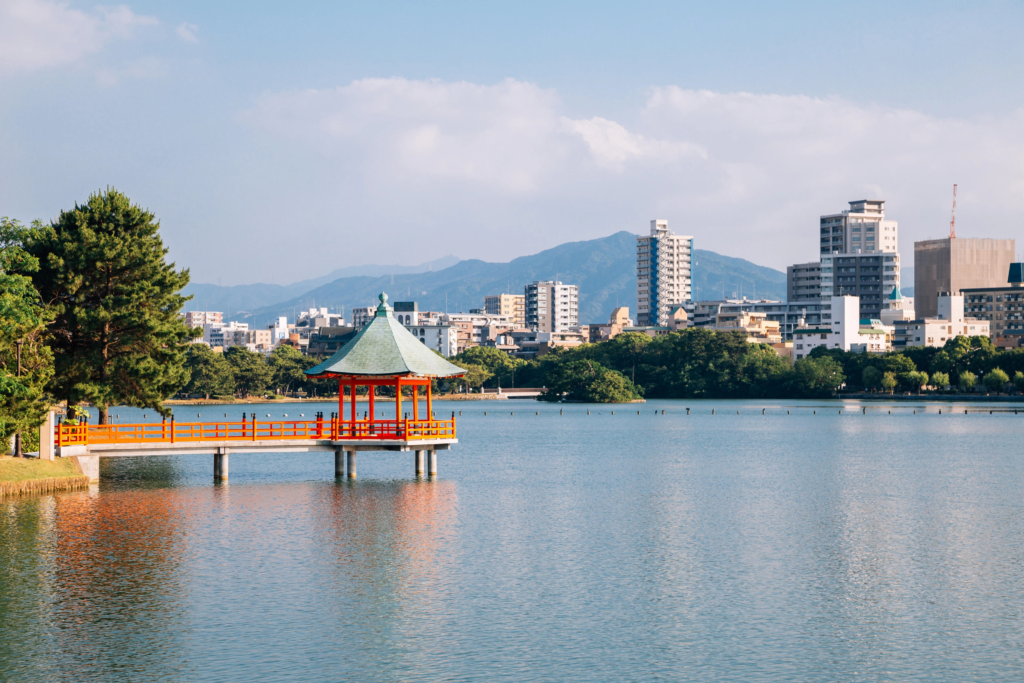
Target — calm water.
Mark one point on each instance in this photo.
(552, 547)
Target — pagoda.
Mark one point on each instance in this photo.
(386, 354)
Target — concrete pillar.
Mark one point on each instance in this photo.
(220, 464)
(339, 462)
(419, 464)
(432, 463)
(46, 445)
(351, 464)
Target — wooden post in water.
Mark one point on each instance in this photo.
(419, 463)
(432, 463)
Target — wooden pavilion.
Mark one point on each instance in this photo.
(386, 354)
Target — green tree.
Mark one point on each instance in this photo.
(889, 381)
(252, 374)
(476, 375)
(1018, 380)
(26, 362)
(117, 336)
(871, 377)
(897, 363)
(967, 380)
(817, 376)
(995, 379)
(590, 382)
(499, 365)
(940, 380)
(210, 373)
(287, 364)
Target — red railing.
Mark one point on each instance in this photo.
(254, 430)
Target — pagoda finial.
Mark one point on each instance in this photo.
(382, 310)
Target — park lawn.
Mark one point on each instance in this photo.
(27, 469)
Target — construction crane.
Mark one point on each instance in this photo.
(952, 222)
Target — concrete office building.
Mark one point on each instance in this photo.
(803, 281)
(552, 306)
(512, 306)
(955, 264)
(859, 229)
(663, 273)
(870, 277)
(1002, 307)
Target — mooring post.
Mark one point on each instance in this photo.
(432, 463)
(220, 463)
(419, 463)
(351, 464)
(339, 462)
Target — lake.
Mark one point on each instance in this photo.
(857, 546)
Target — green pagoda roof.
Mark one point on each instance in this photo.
(896, 295)
(383, 348)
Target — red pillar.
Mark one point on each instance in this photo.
(373, 390)
(430, 408)
(415, 402)
(352, 388)
(398, 399)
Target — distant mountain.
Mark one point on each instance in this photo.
(604, 269)
(240, 300)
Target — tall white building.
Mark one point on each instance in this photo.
(552, 306)
(663, 273)
(860, 229)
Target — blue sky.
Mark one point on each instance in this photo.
(278, 142)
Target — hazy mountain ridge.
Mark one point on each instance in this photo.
(604, 269)
(236, 299)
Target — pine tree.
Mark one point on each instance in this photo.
(26, 363)
(117, 336)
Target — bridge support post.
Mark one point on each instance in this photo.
(339, 462)
(220, 464)
(351, 464)
(419, 463)
(432, 463)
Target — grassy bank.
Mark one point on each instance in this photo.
(25, 475)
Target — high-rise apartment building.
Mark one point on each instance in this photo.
(803, 281)
(870, 277)
(860, 229)
(663, 273)
(859, 257)
(512, 306)
(552, 306)
(954, 264)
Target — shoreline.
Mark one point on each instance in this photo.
(939, 398)
(21, 476)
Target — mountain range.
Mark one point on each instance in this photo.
(604, 269)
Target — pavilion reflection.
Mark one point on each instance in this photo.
(393, 548)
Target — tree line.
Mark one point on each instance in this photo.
(701, 363)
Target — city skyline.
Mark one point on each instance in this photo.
(261, 136)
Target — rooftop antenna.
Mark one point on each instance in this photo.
(952, 222)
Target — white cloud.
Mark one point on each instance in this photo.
(747, 174)
(40, 34)
(188, 32)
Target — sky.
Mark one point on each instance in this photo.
(279, 141)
